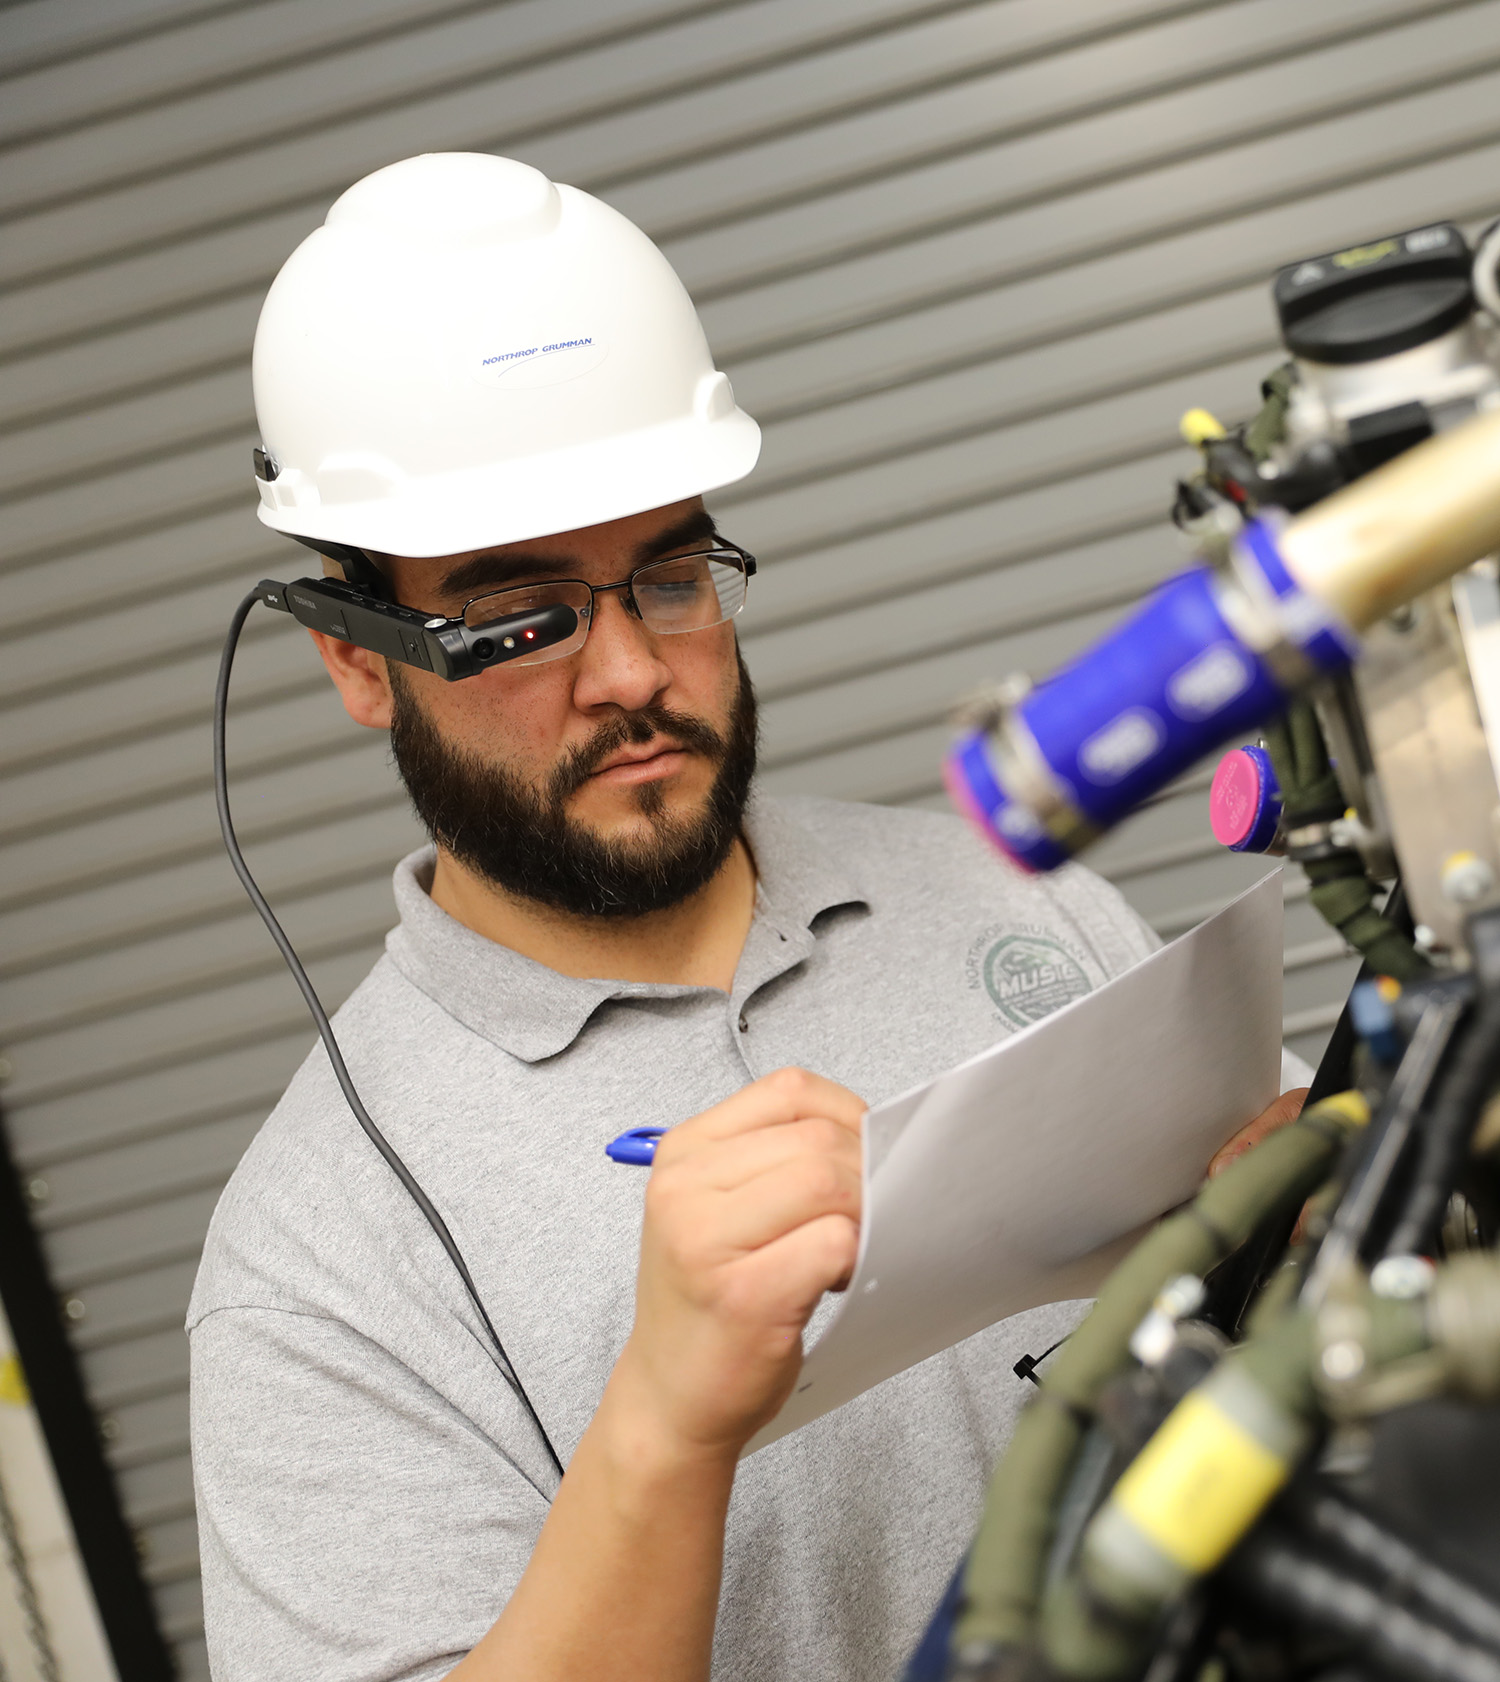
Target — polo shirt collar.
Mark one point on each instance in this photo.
(534, 1012)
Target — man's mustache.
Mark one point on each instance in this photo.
(638, 728)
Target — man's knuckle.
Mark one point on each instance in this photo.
(822, 1181)
(824, 1136)
(791, 1083)
(840, 1237)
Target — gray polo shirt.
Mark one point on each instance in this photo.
(369, 1490)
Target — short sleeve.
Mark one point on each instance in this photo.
(354, 1524)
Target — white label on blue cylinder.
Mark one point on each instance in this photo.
(1018, 823)
(1209, 681)
(1124, 743)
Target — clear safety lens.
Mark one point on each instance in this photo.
(488, 613)
(686, 593)
(691, 593)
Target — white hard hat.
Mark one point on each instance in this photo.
(465, 354)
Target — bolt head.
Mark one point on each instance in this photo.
(1401, 1278)
(1466, 878)
(1154, 1339)
(1343, 1360)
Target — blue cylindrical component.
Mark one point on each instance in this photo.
(1085, 748)
(979, 793)
(1329, 645)
(1160, 692)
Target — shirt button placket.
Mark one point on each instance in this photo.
(742, 1041)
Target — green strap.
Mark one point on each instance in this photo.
(1341, 890)
(1268, 427)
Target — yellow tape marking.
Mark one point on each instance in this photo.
(1354, 1107)
(13, 1382)
(1199, 1484)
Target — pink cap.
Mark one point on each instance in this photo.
(1244, 805)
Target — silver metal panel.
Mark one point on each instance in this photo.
(967, 262)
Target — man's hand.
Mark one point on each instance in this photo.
(752, 1212)
(1285, 1109)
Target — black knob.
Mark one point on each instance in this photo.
(1377, 299)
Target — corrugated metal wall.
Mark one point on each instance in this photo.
(966, 262)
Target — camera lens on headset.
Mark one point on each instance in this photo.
(483, 649)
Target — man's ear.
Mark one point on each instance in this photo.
(361, 679)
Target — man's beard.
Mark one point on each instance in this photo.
(525, 842)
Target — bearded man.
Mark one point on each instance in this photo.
(610, 930)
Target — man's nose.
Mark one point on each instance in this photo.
(618, 664)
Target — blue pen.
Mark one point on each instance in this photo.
(637, 1146)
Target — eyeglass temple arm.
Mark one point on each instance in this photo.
(445, 647)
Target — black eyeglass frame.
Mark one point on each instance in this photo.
(358, 609)
(719, 550)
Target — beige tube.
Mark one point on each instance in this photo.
(1398, 531)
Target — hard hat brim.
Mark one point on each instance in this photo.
(587, 484)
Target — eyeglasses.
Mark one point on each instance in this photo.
(683, 593)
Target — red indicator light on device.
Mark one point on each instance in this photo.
(529, 635)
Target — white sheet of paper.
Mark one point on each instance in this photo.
(1021, 1176)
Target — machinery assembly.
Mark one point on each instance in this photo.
(1272, 1450)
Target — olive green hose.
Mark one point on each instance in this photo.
(1341, 890)
(1003, 1579)
(1269, 426)
(1201, 1484)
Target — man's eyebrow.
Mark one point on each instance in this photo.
(692, 528)
(493, 572)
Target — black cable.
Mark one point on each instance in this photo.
(325, 1028)
(1384, 1147)
(1232, 1286)
(1450, 1124)
(1331, 1603)
(1322, 1517)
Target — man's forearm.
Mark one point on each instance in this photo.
(752, 1213)
(624, 1580)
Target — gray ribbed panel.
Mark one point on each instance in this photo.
(967, 262)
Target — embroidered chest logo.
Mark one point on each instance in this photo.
(1027, 976)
